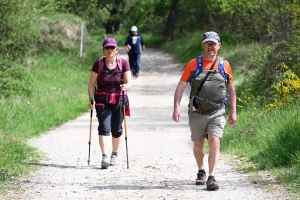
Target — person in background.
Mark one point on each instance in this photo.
(134, 43)
(207, 120)
(107, 76)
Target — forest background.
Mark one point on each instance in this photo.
(44, 79)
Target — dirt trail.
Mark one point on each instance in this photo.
(161, 160)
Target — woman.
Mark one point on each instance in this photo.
(111, 77)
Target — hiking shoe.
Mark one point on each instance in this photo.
(201, 177)
(211, 183)
(105, 162)
(113, 160)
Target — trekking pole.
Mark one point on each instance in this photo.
(122, 82)
(90, 137)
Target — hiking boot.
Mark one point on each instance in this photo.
(211, 183)
(201, 177)
(105, 162)
(113, 160)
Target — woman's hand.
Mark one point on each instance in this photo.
(124, 87)
(92, 104)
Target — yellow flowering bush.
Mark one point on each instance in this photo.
(285, 90)
(246, 100)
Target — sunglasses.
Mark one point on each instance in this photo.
(111, 48)
(210, 44)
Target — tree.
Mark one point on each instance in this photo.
(116, 11)
(171, 21)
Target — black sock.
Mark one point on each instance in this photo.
(201, 170)
(114, 153)
(104, 155)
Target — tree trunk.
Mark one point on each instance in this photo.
(171, 21)
(113, 23)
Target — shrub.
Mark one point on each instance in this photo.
(16, 81)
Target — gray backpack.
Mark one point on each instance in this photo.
(209, 88)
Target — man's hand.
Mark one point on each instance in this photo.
(232, 118)
(176, 116)
(128, 47)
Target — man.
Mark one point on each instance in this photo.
(133, 44)
(207, 116)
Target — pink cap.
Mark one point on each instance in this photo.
(110, 42)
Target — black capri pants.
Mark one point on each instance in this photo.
(110, 118)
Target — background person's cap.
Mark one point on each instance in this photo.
(134, 28)
(110, 42)
(211, 36)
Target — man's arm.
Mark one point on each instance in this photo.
(177, 99)
(127, 45)
(232, 101)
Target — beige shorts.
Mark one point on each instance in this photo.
(200, 125)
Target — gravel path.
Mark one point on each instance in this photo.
(161, 162)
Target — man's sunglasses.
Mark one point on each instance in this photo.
(111, 48)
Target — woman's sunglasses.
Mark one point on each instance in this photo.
(111, 48)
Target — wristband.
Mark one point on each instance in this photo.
(92, 100)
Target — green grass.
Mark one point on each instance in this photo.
(270, 140)
(59, 94)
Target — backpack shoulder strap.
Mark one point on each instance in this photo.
(222, 69)
(101, 65)
(199, 67)
(225, 76)
(212, 66)
(120, 63)
(221, 64)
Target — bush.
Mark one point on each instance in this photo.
(16, 81)
(18, 32)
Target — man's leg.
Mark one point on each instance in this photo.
(199, 152)
(213, 160)
(137, 64)
(131, 63)
(199, 155)
(214, 153)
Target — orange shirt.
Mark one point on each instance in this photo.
(206, 64)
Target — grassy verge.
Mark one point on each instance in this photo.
(59, 94)
(269, 139)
